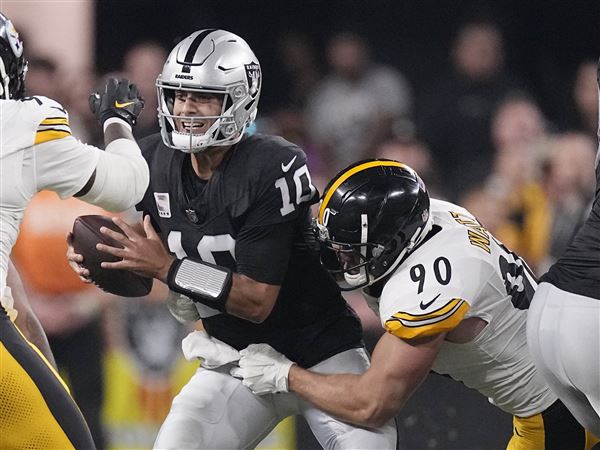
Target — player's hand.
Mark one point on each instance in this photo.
(263, 369)
(212, 352)
(75, 260)
(120, 99)
(142, 253)
(182, 308)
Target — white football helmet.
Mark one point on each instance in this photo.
(215, 62)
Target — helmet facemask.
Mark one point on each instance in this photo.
(223, 131)
(348, 263)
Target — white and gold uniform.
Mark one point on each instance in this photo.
(37, 152)
(462, 271)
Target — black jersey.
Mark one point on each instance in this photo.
(253, 216)
(578, 270)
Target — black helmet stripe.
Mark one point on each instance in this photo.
(189, 56)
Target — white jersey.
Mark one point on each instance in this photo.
(462, 271)
(37, 152)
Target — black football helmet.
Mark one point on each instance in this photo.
(13, 65)
(371, 215)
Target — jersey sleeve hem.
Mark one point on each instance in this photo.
(409, 326)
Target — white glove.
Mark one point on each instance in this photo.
(263, 369)
(8, 303)
(182, 308)
(212, 352)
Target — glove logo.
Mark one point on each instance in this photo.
(122, 105)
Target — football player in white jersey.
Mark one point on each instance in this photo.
(563, 326)
(37, 152)
(450, 296)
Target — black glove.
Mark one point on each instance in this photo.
(120, 99)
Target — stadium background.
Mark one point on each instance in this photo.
(545, 41)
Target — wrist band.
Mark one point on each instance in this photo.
(202, 282)
(118, 120)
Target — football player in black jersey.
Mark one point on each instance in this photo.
(233, 210)
(563, 326)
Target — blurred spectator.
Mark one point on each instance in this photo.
(416, 154)
(76, 91)
(583, 110)
(569, 184)
(520, 141)
(42, 78)
(297, 75)
(68, 309)
(141, 65)
(456, 113)
(356, 106)
(489, 209)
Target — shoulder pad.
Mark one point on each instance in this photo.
(51, 117)
(428, 293)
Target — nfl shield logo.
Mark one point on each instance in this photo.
(163, 205)
(192, 215)
(253, 76)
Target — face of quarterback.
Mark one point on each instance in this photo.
(204, 107)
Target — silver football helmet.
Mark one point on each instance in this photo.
(214, 62)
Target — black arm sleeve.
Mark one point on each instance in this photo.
(263, 252)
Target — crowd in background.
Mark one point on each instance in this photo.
(477, 136)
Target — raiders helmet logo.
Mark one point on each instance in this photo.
(253, 76)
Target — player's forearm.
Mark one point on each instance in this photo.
(250, 299)
(26, 319)
(345, 396)
(118, 129)
(32, 329)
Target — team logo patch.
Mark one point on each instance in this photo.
(13, 39)
(253, 76)
(163, 204)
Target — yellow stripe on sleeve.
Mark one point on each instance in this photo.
(55, 121)
(49, 135)
(409, 326)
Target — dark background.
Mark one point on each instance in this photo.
(545, 41)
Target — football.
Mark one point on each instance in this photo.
(86, 234)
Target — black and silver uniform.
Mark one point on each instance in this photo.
(253, 216)
(578, 270)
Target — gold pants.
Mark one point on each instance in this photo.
(553, 429)
(36, 410)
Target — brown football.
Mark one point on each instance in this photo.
(86, 234)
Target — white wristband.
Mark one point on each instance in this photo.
(110, 120)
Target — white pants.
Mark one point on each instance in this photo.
(563, 334)
(215, 411)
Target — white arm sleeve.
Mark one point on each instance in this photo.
(122, 177)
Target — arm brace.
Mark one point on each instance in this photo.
(202, 282)
(122, 177)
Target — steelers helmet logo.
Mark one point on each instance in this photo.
(13, 38)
